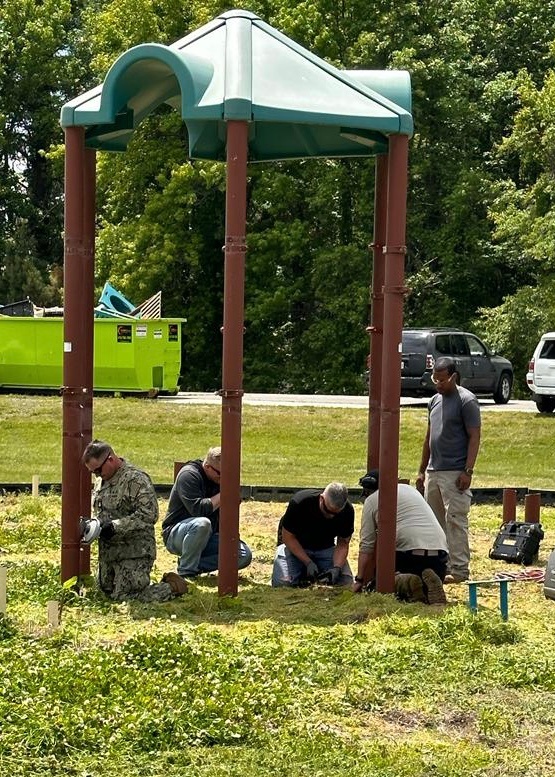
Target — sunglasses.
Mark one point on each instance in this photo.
(98, 470)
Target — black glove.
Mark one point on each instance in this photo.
(107, 531)
(312, 570)
(330, 576)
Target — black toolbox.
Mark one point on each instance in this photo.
(517, 543)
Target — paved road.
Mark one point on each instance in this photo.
(321, 400)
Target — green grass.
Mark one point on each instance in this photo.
(282, 446)
(273, 682)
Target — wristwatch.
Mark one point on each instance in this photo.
(469, 471)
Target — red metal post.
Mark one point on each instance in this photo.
(77, 257)
(509, 505)
(376, 314)
(394, 291)
(87, 311)
(232, 360)
(532, 504)
(177, 467)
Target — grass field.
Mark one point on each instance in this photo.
(316, 682)
(282, 446)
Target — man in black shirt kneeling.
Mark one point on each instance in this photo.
(313, 538)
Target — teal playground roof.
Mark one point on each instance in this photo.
(237, 67)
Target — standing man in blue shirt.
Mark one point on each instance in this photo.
(448, 457)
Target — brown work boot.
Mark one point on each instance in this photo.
(408, 588)
(434, 587)
(176, 583)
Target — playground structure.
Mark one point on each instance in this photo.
(246, 93)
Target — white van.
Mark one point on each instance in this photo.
(541, 374)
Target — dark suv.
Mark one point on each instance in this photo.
(480, 370)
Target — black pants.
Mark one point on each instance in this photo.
(415, 565)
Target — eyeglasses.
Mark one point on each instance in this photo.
(439, 381)
(217, 471)
(98, 470)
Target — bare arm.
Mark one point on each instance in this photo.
(293, 544)
(341, 551)
(463, 481)
(366, 569)
(420, 478)
(473, 447)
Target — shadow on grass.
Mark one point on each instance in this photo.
(36, 582)
(317, 606)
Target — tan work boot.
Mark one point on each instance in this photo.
(408, 588)
(453, 579)
(434, 587)
(176, 583)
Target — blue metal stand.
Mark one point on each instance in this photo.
(503, 595)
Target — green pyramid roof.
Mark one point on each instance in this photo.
(239, 68)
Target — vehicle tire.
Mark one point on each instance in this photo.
(545, 404)
(502, 393)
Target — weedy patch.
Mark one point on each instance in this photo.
(7, 627)
(33, 581)
(316, 681)
(30, 525)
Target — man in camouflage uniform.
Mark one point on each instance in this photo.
(125, 504)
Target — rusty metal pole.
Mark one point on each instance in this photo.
(87, 311)
(232, 359)
(177, 467)
(509, 505)
(76, 249)
(394, 291)
(376, 314)
(532, 503)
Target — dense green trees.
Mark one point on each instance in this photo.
(480, 228)
(522, 212)
(38, 72)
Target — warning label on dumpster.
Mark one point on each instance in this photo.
(173, 334)
(125, 333)
(140, 331)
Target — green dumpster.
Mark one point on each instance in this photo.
(134, 355)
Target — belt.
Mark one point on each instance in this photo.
(420, 552)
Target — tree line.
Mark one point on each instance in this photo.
(480, 231)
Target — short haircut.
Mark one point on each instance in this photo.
(336, 495)
(97, 449)
(445, 363)
(213, 457)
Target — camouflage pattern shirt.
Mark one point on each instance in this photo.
(128, 500)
